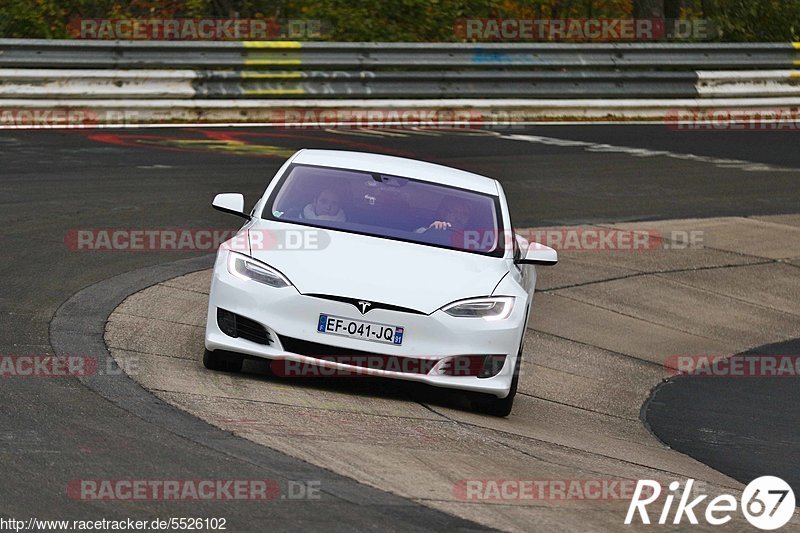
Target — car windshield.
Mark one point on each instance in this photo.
(388, 206)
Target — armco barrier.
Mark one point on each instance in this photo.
(319, 55)
(202, 79)
(181, 83)
(149, 83)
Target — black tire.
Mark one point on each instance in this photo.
(222, 361)
(492, 405)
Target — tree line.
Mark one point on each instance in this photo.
(405, 20)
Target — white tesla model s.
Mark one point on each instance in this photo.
(366, 264)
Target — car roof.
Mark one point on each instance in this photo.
(398, 166)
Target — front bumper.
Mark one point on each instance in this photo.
(285, 312)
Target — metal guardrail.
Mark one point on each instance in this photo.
(316, 55)
(38, 83)
(207, 79)
(450, 84)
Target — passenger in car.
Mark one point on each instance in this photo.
(326, 206)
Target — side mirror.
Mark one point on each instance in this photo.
(230, 202)
(539, 254)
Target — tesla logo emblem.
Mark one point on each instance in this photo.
(363, 306)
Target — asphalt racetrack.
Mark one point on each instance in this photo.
(58, 430)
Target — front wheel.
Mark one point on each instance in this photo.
(492, 405)
(222, 361)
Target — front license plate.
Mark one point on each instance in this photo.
(358, 329)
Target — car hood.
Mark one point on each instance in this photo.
(414, 276)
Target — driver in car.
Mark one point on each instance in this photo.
(454, 214)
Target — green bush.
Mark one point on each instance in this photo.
(399, 20)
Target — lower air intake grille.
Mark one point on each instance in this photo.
(234, 325)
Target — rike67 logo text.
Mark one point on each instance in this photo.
(767, 502)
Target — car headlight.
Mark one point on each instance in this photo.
(244, 267)
(491, 308)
